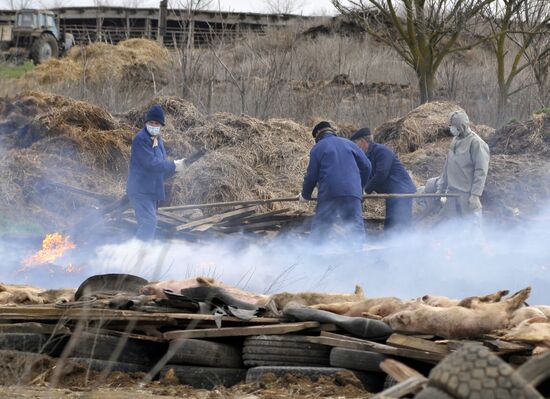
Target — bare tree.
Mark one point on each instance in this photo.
(19, 4)
(516, 26)
(422, 32)
(284, 6)
(186, 12)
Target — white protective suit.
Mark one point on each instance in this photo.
(465, 171)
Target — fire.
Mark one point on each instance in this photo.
(53, 246)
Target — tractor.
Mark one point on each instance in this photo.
(35, 35)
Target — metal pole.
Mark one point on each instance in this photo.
(295, 199)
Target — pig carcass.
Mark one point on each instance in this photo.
(281, 300)
(457, 321)
(28, 295)
(370, 307)
(535, 331)
(157, 289)
(526, 313)
(470, 302)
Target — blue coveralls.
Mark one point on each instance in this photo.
(389, 176)
(340, 170)
(148, 169)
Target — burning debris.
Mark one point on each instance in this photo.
(53, 247)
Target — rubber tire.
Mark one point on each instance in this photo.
(432, 393)
(356, 359)
(29, 342)
(36, 49)
(283, 350)
(283, 341)
(100, 365)
(474, 372)
(101, 347)
(205, 377)
(206, 353)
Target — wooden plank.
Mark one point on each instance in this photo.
(52, 313)
(257, 217)
(376, 347)
(407, 387)
(284, 328)
(254, 226)
(399, 371)
(214, 219)
(170, 215)
(407, 341)
(116, 333)
(503, 347)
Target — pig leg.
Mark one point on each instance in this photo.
(338, 308)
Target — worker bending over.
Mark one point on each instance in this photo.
(389, 176)
(340, 171)
(149, 167)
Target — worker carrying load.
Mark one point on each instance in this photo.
(340, 171)
(389, 176)
(149, 167)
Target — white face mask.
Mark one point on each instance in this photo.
(454, 131)
(153, 130)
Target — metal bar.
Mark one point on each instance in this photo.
(295, 199)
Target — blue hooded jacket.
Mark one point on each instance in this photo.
(389, 174)
(148, 167)
(338, 167)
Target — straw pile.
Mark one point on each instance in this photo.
(53, 139)
(531, 137)
(131, 62)
(425, 124)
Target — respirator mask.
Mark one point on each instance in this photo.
(153, 130)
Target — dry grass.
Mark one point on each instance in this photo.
(530, 137)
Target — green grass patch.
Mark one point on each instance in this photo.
(545, 110)
(11, 225)
(12, 71)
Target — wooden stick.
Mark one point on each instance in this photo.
(294, 199)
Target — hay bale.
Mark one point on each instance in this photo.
(530, 137)
(132, 62)
(425, 124)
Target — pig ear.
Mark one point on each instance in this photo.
(404, 317)
(538, 319)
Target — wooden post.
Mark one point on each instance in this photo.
(163, 9)
(148, 28)
(98, 24)
(127, 25)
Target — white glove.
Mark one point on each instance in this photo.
(443, 200)
(180, 166)
(300, 198)
(474, 202)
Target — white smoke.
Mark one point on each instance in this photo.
(447, 260)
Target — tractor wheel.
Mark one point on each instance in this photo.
(44, 48)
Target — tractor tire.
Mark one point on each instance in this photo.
(432, 393)
(44, 48)
(205, 353)
(474, 372)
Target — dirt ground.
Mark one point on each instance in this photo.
(126, 386)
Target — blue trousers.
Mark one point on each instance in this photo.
(398, 213)
(145, 209)
(341, 216)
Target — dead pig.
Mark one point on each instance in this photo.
(457, 321)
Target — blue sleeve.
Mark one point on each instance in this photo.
(363, 164)
(383, 160)
(312, 174)
(148, 158)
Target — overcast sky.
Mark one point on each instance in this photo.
(306, 7)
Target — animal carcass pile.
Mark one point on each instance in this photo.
(203, 333)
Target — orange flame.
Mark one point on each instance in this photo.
(53, 246)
